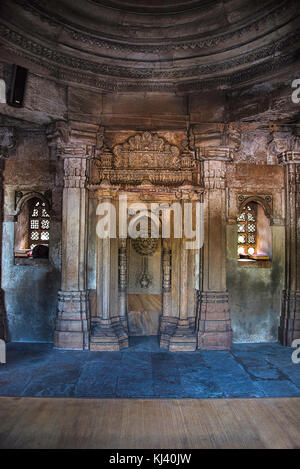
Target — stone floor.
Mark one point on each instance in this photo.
(146, 371)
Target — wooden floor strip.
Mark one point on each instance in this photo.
(149, 424)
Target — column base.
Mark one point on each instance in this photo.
(72, 326)
(109, 335)
(178, 335)
(289, 328)
(214, 327)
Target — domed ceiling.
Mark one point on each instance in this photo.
(170, 45)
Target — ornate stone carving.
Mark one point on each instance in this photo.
(267, 15)
(265, 200)
(145, 246)
(74, 172)
(214, 178)
(147, 150)
(153, 159)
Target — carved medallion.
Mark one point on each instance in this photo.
(145, 246)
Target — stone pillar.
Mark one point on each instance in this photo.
(166, 262)
(7, 142)
(167, 323)
(74, 144)
(289, 328)
(123, 282)
(184, 338)
(71, 329)
(215, 144)
(109, 334)
(214, 327)
(285, 144)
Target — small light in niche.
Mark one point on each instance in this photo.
(251, 251)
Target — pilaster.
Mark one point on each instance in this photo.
(215, 146)
(110, 332)
(74, 143)
(7, 143)
(289, 328)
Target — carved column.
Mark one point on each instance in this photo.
(184, 336)
(74, 144)
(7, 142)
(123, 282)
(166, 325)
(109, 333)
(285, 144)
(289, 328)
(214, 146)
(214, 327)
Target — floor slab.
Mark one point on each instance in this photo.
(146, 371)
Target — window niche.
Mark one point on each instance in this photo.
(32, 229)
(254, 233)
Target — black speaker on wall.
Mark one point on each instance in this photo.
(19, 77)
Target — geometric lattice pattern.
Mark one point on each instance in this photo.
(39, 223)
(246, 229)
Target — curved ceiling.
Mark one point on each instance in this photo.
(174, 45)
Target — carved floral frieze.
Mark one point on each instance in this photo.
(145, 158)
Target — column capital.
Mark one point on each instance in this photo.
(75, 172)
(289, 157)
(72, 139)
(216, 140)
(283, 138)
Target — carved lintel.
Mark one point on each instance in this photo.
(214, 153)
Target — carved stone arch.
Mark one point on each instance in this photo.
(32, 195)
(264, 200)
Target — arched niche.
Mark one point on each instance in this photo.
(23, 216)
(262, 208)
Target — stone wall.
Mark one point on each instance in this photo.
(30, 291)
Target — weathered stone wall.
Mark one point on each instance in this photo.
(255, 290)
(30, 291)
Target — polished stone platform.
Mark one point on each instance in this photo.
(146, 371)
